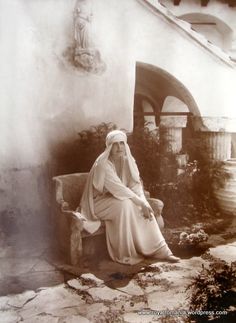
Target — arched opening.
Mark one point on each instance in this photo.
(153, 86)
(146, 112)
(161, 101)
(213, 28)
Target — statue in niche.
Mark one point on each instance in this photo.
(86, 57)
(82, 20)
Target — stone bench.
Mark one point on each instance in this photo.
(69, 229)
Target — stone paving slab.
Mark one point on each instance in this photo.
(147, 317)
(110, 288)
(4, 303)
(9, 317)
(105, 293)
(132, 289)
(92, 310)
(50, 299)
(134, 317)
(65, 311)
(77, 284)
(93, 278)
(44, 318)
(176, 278)
(225, 252)
(74, 319)
(167, 300)
(21, 299)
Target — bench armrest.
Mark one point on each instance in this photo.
(157, 206)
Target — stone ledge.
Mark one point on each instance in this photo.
(214, 124)
(173, 121)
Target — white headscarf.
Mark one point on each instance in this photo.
(97, 174)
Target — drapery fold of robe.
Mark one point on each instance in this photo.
(95, 182)
(130, 237)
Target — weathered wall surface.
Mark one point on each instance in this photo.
(25, 200)
(43, 98)
(45, 101)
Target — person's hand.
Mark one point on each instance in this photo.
(147, 211)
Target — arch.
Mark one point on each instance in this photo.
(212, 27)
(156, 84)
(173, 104)
(140, 115)
(147, 106)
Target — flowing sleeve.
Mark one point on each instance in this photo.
(136, 188)
(135, 185)
(114, 185)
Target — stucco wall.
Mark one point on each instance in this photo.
(43, 98)
(45, 101)
(215, 8)
(196, 68)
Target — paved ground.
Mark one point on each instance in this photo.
(36, 286)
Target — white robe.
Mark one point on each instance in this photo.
(130, 237)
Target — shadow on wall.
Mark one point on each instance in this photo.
(27, 194)
(79, 154)
(67, 158)
(25, 202)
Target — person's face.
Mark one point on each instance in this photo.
(118, 149)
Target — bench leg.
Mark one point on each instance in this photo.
(76, 248)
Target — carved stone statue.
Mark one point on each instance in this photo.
(86, 56)
(82, 20)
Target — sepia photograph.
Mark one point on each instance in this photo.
(118, 161)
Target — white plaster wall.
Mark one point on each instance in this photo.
(211, 33)
(44, 101)
(215, 8)
(25, 197)
(210, 81)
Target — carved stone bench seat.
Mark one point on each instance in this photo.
(69, 229)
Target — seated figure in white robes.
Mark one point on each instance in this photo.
(114, 194)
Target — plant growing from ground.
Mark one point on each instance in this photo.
(109, 316)
(145, 147)
(192, 238)
(214, 289)
(192, 191)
